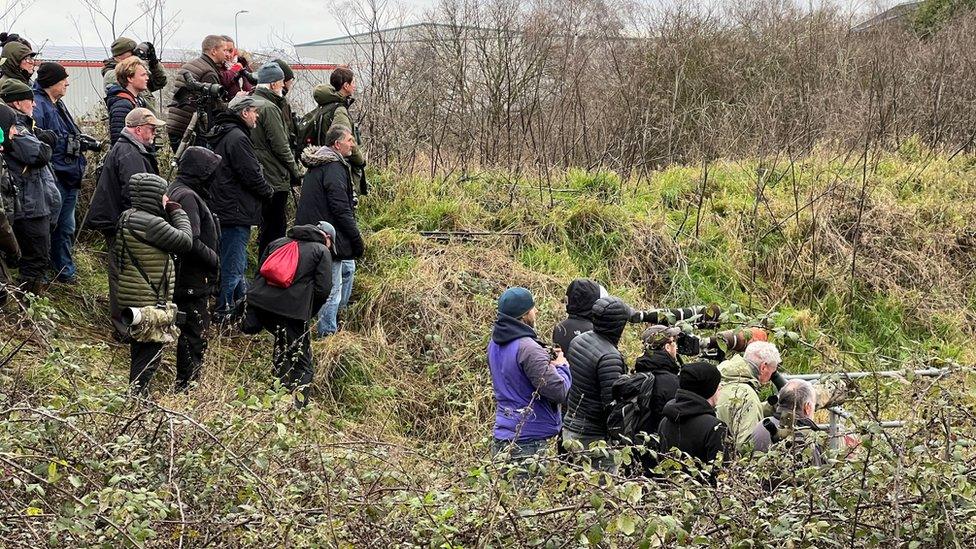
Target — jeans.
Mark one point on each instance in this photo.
(233, 263)
(521, 455)
(343, 272)
(62, 238)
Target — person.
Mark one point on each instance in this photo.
(126, 94)
(581, 294)
(133, 153)
(792, 424)
(69, 164)
(9, 249)
(148, 234)
(204, 69)
(28, 158)
(742, 377)
(327, 195)
(235, 75)
(271, 145)
(660, 358)
(124, 48)
(287, 112)
(595, 364)
(529, 387)
(196, 270)
(19, 62)
(239, 192)
(334, 100)
(690, 424)
(285, 312)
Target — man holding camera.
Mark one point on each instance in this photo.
(124, 48)
(126, 94)
(235, 72)
(147, 236)
(240, 190)
(67, 161)
(271, 145)
(204, 70)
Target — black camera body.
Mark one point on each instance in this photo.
(79, 143)
(145, 51)
(195, 91)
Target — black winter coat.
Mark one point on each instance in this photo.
(239, 188)
(665, 370)
(197, 269)
(690, 425)
(580, 297)
(327, 195)
(313, 278)
(126, 158)
(119, 102)
(595, 364)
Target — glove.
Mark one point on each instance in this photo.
(46, 136)
(172, 207)
(242, 61)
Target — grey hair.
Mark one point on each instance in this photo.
(762, 351)
(335, 133)
(795, 395)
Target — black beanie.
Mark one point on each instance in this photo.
(50, 73)
(7, 118)
(701, 378)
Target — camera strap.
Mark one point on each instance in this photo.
(160, 292)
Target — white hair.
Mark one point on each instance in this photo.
(762, 351)
(795, 395)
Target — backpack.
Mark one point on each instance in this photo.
(633, 395)
(280, 266)
(312, 126)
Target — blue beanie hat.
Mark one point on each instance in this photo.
(270, 72)
(515, 302)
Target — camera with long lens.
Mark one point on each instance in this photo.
(79, 143)
(145, 51)
(194, 90)
(717, 346)
(155, 323)
(700, 316)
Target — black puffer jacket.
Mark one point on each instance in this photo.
(327, 195)
(147, 237)
(665, 370)
(204, 70)
(197, 269)
(126, 158)
(119, 102)
(313, 277)
(239, 185)
(580, 297)
(690, 425)
(595, 363)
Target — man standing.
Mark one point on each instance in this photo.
(239, 193)
(529, 387)
(689, 422)
(196, 270)
(792, 424)
(334, 100)
(271, 145)
(327, 195)
(125, 48)
(133, 153)
(9, 249)
(742, 378)
(595, 364)
(291, 120)
(18, 62)
(51, 114)
(660, 358)
(580, 297)
(204, 69)
(285, 310)
(126, 94)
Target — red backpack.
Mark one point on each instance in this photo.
(280, 266)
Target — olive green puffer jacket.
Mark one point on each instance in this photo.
(147, 237)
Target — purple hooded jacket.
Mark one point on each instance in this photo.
(528, 389)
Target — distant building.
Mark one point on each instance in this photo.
(900, 14)
(86, 94)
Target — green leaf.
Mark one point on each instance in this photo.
(52, 472)
(33, 511)
(625, 523)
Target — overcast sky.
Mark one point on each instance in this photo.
(270, 22)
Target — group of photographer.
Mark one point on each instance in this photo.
(581, 394)
(43, 156)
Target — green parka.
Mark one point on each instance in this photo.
(271, 143)
(148, 237)
(13, 54)
(324, 95)
(738, 403)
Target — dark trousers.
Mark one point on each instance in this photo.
(191, 345)
(34, 238)
(145, 361)
(274, 220)
(292, 352)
